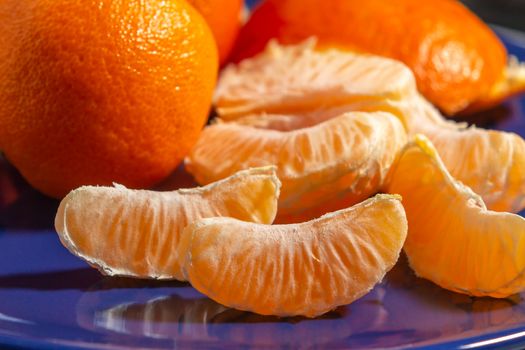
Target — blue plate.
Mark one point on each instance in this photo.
(51, 299)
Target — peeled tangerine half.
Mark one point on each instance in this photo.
(287, 87)
(298, 269)
(453, 240)
(343, 160)
(136, 233)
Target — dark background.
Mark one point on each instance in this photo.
(508, 13)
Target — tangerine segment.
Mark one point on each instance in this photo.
(288, 79)
(135, 233)
(299, 269)
(352, 152)
(453, 240)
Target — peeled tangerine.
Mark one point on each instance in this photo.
(453, 239)
(136, 233)
(341, 161)
(288, 87)
(298, 269)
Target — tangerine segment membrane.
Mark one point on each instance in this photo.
(299, 269)
(135, 233)
(350, 153)
(453, 239)
(288, 79)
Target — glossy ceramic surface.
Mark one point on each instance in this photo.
(50, 299)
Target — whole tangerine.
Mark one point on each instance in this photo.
(95, 92)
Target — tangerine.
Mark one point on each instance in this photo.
(102, 92)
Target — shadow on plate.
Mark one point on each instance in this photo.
(79, 279)
(25, 209)
(21, 206)
(83, 279)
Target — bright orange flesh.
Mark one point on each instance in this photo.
(300, 269)
(135, 233)
(453, 240)
(103, 91)
(224, 19)
(457, 60)
(275, 90)
(346, 157)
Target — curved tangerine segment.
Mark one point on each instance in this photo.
(328, 158)
(288, 79)
(136, 232)
(453, 239)
(300, 269)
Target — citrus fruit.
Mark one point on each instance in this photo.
(347, 157)
(102, 92)
(135, 232)
(453, 239)
(288, 79)
(298, 269)
(290, 87)
(224, 19)
(459, 63)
